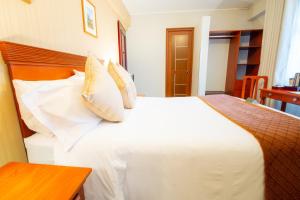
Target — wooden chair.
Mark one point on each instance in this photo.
(254, 85)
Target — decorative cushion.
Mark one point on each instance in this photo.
(100, 93)
(125, 84)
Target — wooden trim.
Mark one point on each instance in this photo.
(32, 63)
(83, 17)
(180, 29)
(168, 68)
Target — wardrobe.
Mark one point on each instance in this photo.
(243, 56)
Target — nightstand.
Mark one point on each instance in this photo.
(34, 181)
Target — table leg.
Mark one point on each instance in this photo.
(262, 100)
(283, 106)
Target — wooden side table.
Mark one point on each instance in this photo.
(34, 181)
(281, 95)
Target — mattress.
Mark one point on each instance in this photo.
(169, 148)
(40, 148)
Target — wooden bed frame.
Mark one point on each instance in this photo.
(32, 63)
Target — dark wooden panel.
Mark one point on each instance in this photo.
(232, 64)
(122, 45)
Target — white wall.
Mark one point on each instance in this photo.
(217, 62)
(146, 43)
(203, 57)
(57, 25)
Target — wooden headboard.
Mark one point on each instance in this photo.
(32, 63)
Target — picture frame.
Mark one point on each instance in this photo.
(89, 18)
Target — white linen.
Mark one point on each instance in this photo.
(169, 149)
(25, 87)
(59, 107)
(40, 148)
(79, 73)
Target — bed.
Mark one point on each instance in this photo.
(167, 148)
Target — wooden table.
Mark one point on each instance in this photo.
(32, 181)
(281, 95)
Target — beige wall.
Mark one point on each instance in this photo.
(57, 25)
(257, 12)
(146, 40)
(217, 64)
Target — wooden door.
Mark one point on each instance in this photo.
(179, 61)
(122, 45)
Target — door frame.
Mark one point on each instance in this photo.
(168, 88)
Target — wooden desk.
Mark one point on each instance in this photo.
(281, 95)
(32, 181)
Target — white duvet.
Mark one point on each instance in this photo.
(169, 149)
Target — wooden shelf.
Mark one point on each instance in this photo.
(249, 64)
(241, 63)
(249, 47)
(223, 34)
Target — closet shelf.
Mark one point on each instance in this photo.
(248, 64)
(221, 36)
(226, 34)
(243, 56)
(250, 47)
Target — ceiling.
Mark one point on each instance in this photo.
(160, 6)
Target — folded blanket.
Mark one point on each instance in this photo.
(279, 137)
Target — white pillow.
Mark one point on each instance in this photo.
(25, 87)
(59, 107)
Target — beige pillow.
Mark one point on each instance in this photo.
(100, 93)
(124, 83)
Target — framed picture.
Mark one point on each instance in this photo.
(89, 17)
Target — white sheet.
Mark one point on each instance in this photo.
(169, 149)
(40, 148)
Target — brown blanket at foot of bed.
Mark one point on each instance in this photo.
(279, 137)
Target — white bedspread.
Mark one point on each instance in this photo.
(169, 149)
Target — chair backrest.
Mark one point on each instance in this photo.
(254, 85)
